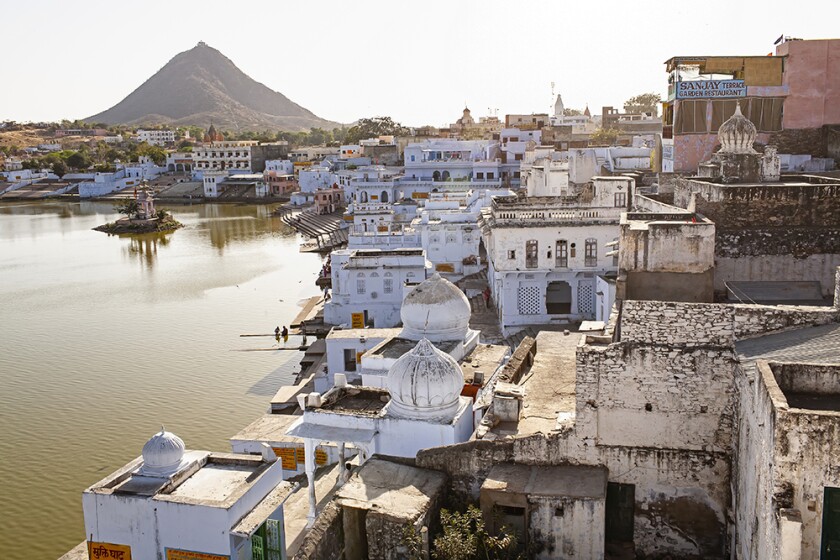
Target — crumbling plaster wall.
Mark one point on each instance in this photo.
(807, 444)
(756, 526)
(818, 267)
(578, 521)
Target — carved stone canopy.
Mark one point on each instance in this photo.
(737, 134)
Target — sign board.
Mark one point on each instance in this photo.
(287, 457)
(103, 550)
(176, 554)
(320, 457)
(419, 195)
(357, 320)
(704, 89)
(445, 267)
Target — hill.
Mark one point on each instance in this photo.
(202, 86)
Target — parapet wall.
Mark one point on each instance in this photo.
(797, 201)
(712, 324)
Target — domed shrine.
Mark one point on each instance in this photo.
(163, 454)
(437, 310)
(425, 383)
(737, 161)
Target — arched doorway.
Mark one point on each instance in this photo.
(445, 175)
(436, 176)
(363, 197)
(384, 196)
(558, 298)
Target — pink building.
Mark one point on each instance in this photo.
(279, 184)
(329, 200)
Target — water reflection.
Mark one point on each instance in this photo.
(144, 248)
(128, 332)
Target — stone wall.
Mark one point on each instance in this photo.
(811, 202)
(756, 320)
(666, 323)
(793, 242)
(325, 540)
(671, 323)
(811, 141)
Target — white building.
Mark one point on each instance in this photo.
(156, 137)
(317, 177)
(452, 160)
(368, 285)
(127, 175)
(224, 156)
(544, 253)
(175, 503)
(280, 166)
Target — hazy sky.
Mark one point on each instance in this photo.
(418, 62)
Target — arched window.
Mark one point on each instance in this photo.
(364, 196)
(360, 283)
(384, 196)
(436, 176)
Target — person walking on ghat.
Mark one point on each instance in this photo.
(285, 334)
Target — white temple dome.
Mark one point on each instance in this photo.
(737, 134)
(436, 309)
(162, 454)
(425, 383)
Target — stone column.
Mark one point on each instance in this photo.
(342, 473)
(837, 288)
(309, 467)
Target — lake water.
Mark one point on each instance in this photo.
(104, 339)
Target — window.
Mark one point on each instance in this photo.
(360, 286)
(531, 253)
(491, 176)
(479, 175)
(591, 253)
(691, 117)
(620, 200)
(562, 254)
(349, 359)
(388, 285)
(511, 254)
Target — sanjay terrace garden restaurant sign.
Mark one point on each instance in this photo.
(711, 88)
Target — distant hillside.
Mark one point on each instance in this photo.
(202, 86)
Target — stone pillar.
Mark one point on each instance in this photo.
(342, 473)
(309, 467)
(837, 288)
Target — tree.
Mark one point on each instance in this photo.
(643, 103)
(59, 168)
(604, 137)
(465, 538)
(155, 153)
(567, 112)
(129, 207)
(78, 160)
(372, 127)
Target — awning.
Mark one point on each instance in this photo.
(331, 433)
